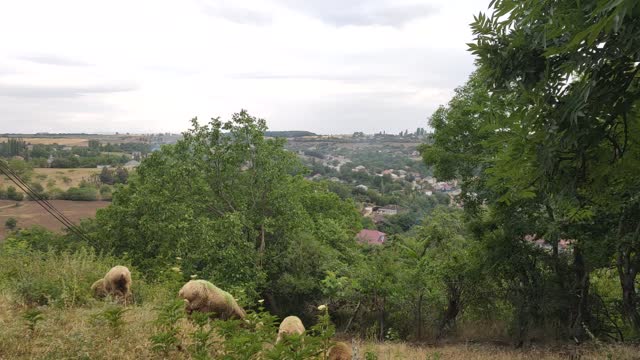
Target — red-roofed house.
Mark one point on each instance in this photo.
(371, 237)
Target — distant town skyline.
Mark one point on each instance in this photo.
(61, 133)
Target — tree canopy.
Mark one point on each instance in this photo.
(545, 136)
(233, 207)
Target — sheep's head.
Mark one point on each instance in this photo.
(191, 291)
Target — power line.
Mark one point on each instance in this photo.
(57, 214)
(46, 205)
(42, 201)
(30, 192)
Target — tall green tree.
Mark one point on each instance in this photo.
(574, 69)
(546, 134)
(234, 207)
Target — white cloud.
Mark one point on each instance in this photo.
(331, 66)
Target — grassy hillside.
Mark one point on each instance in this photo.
(78, 333)
(47, 312)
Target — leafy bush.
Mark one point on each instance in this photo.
(11, 223)
(56, 193)
(50, 277)
(38, 189)
(81, 194)
(113, 316)
(166, 339)
(105, 192)
(13, 194)
(32, 317)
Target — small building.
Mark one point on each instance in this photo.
(367, 211)
(132, 164)
(362, 188)
(388, 210)
(430, 180)
(371, 237)
(443, 186)
(564, 245)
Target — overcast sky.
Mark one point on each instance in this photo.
(329, 66)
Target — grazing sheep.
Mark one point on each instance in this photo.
(340, 351)
(289, 326)
(117, 283)
(203, 296)
(98, 289)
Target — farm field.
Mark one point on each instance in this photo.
(65, 141)
(62, 178)
(79, 139)
(30, 213)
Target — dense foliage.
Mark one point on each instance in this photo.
(546, 137)
(233, 206)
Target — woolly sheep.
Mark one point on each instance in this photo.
(98, 289)
(117, 283)
(340, 351)
(203, 296)
(289, 326)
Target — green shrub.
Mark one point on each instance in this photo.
(166, 338)
(32, 317)
(105, 192)
(81, 194)
(13, 194)
(11, 223)
(56, 193)
(38, 189)
(50, 277)
(113, 316)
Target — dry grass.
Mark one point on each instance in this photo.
(485, 351)
(66, 141)
(71, 333)
(62, 178)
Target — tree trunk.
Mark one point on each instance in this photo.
(627, 274)
(419, 317)
(262, 246)
(381, 320)
(627, 265)
(352, 317)
(581, 306)
(453, 309)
